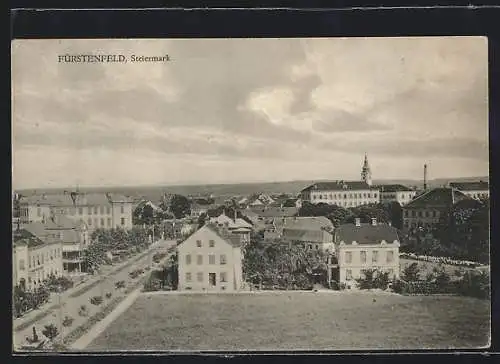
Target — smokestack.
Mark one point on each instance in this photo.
(425, 177)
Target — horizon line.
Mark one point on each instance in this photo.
(194, 184)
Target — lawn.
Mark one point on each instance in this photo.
(298, 320)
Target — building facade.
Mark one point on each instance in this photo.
(361, 247)
(96, 210)
(341, 193)
(424, 212)
(210, 260)
(396, 193)
(477, 190)
(35, 260)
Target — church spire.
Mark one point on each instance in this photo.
(366, 174)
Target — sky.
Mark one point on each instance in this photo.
(248, 110)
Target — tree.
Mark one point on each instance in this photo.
(180, 206)
(336, 214)
(50, 331)
(395, 214)
(368, 212)
(411, 273)
(289, 202)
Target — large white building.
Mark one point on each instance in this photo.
(396, 193)
(476, 190)
(361, 247)
(211, 260)
(344, 193)
(341, 193)
(97, 210)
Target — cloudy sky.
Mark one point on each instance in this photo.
(244, 110)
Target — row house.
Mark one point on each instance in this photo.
(361, 246)
(424, 212)
(211, 260)
(341, 193)
(97, 210)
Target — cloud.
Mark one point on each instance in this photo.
(258, 99)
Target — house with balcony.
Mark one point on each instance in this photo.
(211, 260)
(362, 246)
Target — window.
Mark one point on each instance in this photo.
(374, 195)
(109, 221)
(96, 210)
(198, 243)
(21, 264)
(413, 214)
(211, 259)
(102, 222)
(90, 210)
(420, 214)
(345, 195)
(108, 210)
(310, 246)
(80, 211)
(369, 195)
(348, 257)
(96, 222)
(42, 258)
(122, 209)
(348, 274)
(199, 276)
(34, 262)
(188, 277)
(364, 195)
(362, 256)
(211, 243)
(223, 277)
(223, 259)
(123, 221)
(390, 256)
(199, 259)
(188, 259)
(39, 211)
(101, 210)
(375, 256)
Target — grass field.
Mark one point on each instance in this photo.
(298, 320)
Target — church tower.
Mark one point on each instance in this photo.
(366, 174)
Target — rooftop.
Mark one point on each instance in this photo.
(304, 235)
(365, 233)
(232, 239)
(274, 211)
(80, 199)
(438, 197)
(393, 188)
(470, 186)
(311, 223)
(339, 186)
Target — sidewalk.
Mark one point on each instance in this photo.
(35, 315)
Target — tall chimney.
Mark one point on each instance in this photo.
(425, 177)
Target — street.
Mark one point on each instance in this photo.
(71, 306)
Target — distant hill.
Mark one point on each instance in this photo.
(154, 193)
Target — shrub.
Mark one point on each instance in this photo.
(108, 295)
(68, 321)
(120, 284)
(373, 279)
(411, 273)
(83, 311)
(96, 300)
(475, 284)
(50, 331)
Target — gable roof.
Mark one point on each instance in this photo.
(437, 197)
(339, 186)
(394, 188)
(470, 186)
(366, 233)
(231, 239)
(310, 223)
(304, 235)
